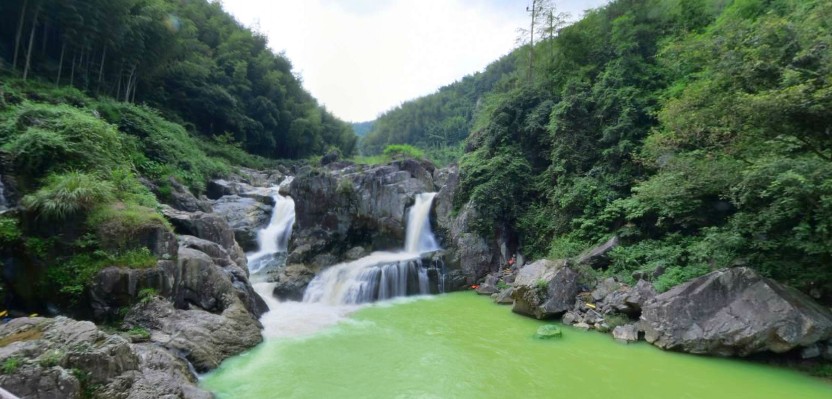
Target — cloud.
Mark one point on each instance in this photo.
(362, 57)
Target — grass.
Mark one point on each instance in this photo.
(11, 365)
(68, 194)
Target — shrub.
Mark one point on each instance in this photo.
(72, 275)
(147, 294)
(67, 194)
(403, 150)
(9, 230)
(118, 225)
(11, 365)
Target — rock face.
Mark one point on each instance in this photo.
(53, 354)
(207, 226)
(734, 312)
(205, 338)
(292, 281)
(597, 257)
(339, 209)
(545, 289)
(245, 216)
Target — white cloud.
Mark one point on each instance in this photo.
(363, 57)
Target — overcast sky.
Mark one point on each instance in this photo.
(363, 57)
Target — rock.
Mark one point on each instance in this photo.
(597, 257)
(811, 352)
(355, 253)
(182, 199)
(602, 327)
(548, 331)
(292, 281)
(214, 288)
(114, 288)
(32, 381)
(582, 326)
(330, 157)
(604, 288)
(219, 188)
(489, 286)
(640, 294)
(209, 227)
(569, 318)
(734, 312)
(504, 297)
(245, 216)
(545, 289)
(205, 338)
(827, 351)
(626, 333)
(592, 317)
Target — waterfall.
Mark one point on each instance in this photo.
(419, 236)
(4, 204)
(382, 275)
(273, 241)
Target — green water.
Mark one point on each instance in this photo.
(463, 346)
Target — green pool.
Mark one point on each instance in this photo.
(463, 346)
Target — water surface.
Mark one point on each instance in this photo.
(464, 346)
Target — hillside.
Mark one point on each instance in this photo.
(191, 60)
(695, 131)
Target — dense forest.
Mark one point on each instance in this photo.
(697, 131)
(189, 59)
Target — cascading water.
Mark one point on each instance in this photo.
(273, 240)
(382, 275)
(4, 205)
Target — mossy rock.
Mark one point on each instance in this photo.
(548, 331)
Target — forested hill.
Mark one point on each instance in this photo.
(441, 121)
(696, 131)
(189, 59)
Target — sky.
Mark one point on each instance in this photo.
(360, 58)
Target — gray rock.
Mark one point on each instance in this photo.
(213, 288)
(489, 286)
(114, 288)
(245, 216)
(734, 312)
(598, 257)
(292, 281)
(206, 339)
(640, 294)
(827, 351)
(811, 352)
(545, 289)
(504, 297)
(182, 199)
(209, 227)
(355, 253)
(569, 318)
(626, 333)
(582, 326)
(604, 288)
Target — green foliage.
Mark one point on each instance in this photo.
(541, 285)
(501, 285)
(403, 150)
(615, 320)
(117, 226)
(50, 358)
(138, 334)
(147, 294)
(9, 230)
(10, 365)
(676, 275)
(68, 194)
(74, 274)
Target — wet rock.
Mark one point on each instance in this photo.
(246, 216)
(355, 253)
(292, 281)
(504, 297)
(489, 286)
(548, 331)
(626, 333)
(734, 312)
(545, 289)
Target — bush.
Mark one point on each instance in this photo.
(11, 365)
(72, 276)
(9, 230)
(68, 194)
(117, 226)
(403, 151)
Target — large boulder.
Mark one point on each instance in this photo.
(114, 288)
(65, 358)
(246, 216)
(734, 312)
(207, 226)
(598, 257)
(545, 289)
(292, 281)
(205, 338)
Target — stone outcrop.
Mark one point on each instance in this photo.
(598, 257)
(734, 312)
(205, 339)
(63, 358)
(207, 226)
(245, 216)
(545, 289)
(291, 282)
(341, 208)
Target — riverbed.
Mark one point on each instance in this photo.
(463, 346)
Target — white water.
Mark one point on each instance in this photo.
(419, 236)
(274, 239)
(382, 275)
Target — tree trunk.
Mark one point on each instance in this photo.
(531, 41)
(118, 83)
(60, 64)
(101, 68)
(72, 71)
(129, 84)
(31, 43)
(19, 33)
(45, 36)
